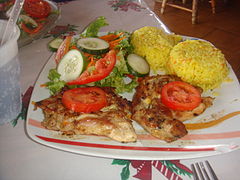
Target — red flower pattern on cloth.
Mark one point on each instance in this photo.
(171, 169)
(124, 5)
(144, 169)
(25, 102)
(61, 31)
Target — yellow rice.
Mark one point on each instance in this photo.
(154, 45)
(198, 63)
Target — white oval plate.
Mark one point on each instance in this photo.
(222, 138)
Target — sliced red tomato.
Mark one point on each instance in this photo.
(31, 31)
(102, 69)
(37, 8)
(87, 99)
(181, 96)
(63, 49)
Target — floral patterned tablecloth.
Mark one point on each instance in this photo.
(21, 158)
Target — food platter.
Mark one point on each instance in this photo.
(50, 21)
(218, 139)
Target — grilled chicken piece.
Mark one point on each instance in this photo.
(111, 121)
(156, 118)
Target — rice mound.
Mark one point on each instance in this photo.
(154, 45)
(198, 63)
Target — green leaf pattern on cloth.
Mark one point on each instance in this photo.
(177, 168)
(25, 102)
(125, 171)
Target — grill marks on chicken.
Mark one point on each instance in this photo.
(111, 121)
(156, 118)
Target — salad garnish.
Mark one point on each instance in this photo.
(93, 29)
(34, 16)
(103, 57)
(55, 85)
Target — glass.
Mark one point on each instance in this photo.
(10, 93)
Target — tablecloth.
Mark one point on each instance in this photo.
(22, 159)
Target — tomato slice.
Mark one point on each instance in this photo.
(102, 69)
(181, 96)
(87, 99)
(31, 31)
(37, 8)
(63, 49)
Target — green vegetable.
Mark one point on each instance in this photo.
(117, 79)
(124, 45)
(137, 65)
(93, 29)
(71, 65)
(54, 44)
(55, 85)
(93, 45)
(28, 20)
(121, 63)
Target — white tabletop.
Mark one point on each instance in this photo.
(21, 158)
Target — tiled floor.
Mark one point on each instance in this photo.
(222, 28)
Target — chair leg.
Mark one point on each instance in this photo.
(194, 11)
(163, 6)
(213, 4)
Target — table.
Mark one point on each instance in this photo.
(23, 159)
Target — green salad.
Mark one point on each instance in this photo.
(92, 59)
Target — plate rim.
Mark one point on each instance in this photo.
(121, 155)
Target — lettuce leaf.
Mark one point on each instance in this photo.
(117, 77)
(93, 29)
(116, 80)
(124, 46)
(55, 85)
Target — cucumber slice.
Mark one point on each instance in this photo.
(71, 65)
(54, 44)
(28, 20)
(137, 65)
(94, 46)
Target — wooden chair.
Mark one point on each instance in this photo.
(213, 4)
(193, 10)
